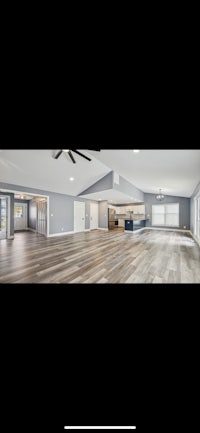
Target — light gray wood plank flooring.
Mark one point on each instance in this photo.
(150, 256)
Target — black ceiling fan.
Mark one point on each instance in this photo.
(69, 152)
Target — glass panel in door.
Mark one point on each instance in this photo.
(3, 218)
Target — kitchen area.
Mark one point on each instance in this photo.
(128, 217)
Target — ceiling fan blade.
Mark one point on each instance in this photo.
(79, 153)
(58, 154)
(71, 156)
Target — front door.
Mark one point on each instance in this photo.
(20, 216)
(79, 216)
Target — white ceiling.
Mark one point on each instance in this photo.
(112, 196)
(22, 196)
(177, 172)
(38, 169)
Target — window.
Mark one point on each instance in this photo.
(165, 215)
(18, 211)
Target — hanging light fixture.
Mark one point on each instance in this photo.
(160, 196)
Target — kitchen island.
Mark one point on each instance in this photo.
(132, 225)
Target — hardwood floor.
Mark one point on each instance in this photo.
(150, 256)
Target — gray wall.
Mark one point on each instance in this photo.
(61, 206)
(103, 215)
(192, 214)
(107, 183)
(184, 208)
(129, 189)
(11, 195)
(103, 184)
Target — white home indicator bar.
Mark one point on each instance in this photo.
(102, 427)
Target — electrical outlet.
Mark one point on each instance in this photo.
(62, 229)
(184, 227)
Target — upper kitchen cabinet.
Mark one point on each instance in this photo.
(139, 209)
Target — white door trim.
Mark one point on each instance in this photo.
(14, 191)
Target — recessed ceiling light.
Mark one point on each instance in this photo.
(65, 150)
(71, 178)
(136, 150)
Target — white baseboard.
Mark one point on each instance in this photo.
(32, 230)
(21, 230)
(100, 228)
(67, 233)
(61, 234)
(10, 237)
(167, 230)
(195, 238)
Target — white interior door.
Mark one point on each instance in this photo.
(79, 216)
(20, 216)
(94, 216)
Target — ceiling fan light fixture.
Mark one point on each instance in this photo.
(160, 196)
(69, 151)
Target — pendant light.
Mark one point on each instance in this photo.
(160, 196)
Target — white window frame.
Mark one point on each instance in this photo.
(165, 225)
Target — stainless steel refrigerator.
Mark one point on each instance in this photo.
(112, 221)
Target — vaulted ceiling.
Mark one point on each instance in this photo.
(177, 172)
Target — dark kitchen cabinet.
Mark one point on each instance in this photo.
(133, 225)
(128, 225)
